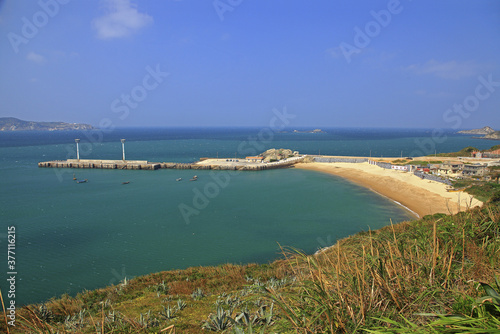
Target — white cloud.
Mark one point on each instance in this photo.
(122, 20)
(447, 70)
(34, 57)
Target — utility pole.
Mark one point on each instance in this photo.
(123, 149)
(77, 149)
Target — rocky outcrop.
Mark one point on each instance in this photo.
(494, 135)
(274, 154)
(483, 131)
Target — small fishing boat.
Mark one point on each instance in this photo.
(82, 181)
(126, 182)
(179, 179)
(195, 178)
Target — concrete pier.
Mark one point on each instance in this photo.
(100, 164)
(206, 164)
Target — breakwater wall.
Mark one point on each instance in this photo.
(386, 165)
(145, 165)
(100, 164)
(333, 160)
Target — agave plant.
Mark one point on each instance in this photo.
(124, 282)
(44, 314)
(114, 320)
(219, 321)
(75, 321)
(197, 294)
(266, 316)
(168, 312)
(492, 295)
(273, 283)
(181, 304)
(113, 316)
(146, 321)
(231, 302)
(488, 303)
(159, 288)
(246, 319)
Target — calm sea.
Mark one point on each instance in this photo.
(71, 237)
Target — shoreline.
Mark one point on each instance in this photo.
(401, 205)
(419, 197)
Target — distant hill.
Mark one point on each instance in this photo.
(483, 131)
(493, 135)
(15, 124)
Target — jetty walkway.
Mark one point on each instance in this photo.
(213, 164)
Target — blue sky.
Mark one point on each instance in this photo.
(425, 64)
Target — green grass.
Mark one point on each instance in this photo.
(494, 148)
(423, 162)
(424, 276)
(392, 277)
(465, 152)
(484, 192)
(415, 162)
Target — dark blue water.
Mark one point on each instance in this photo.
(72, 237)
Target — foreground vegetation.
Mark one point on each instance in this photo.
(434, 275)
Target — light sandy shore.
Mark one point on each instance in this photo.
(422, 197)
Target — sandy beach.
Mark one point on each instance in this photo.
(422, 197)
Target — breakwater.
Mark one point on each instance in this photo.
(146, 165)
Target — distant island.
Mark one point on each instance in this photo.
(15, 124)
(312, 131)
(487, 132)
(305, 131)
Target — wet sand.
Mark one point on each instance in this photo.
(421, 197)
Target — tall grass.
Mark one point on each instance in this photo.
(400, 272)
(423, 276)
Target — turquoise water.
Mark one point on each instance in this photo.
(72, 237)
